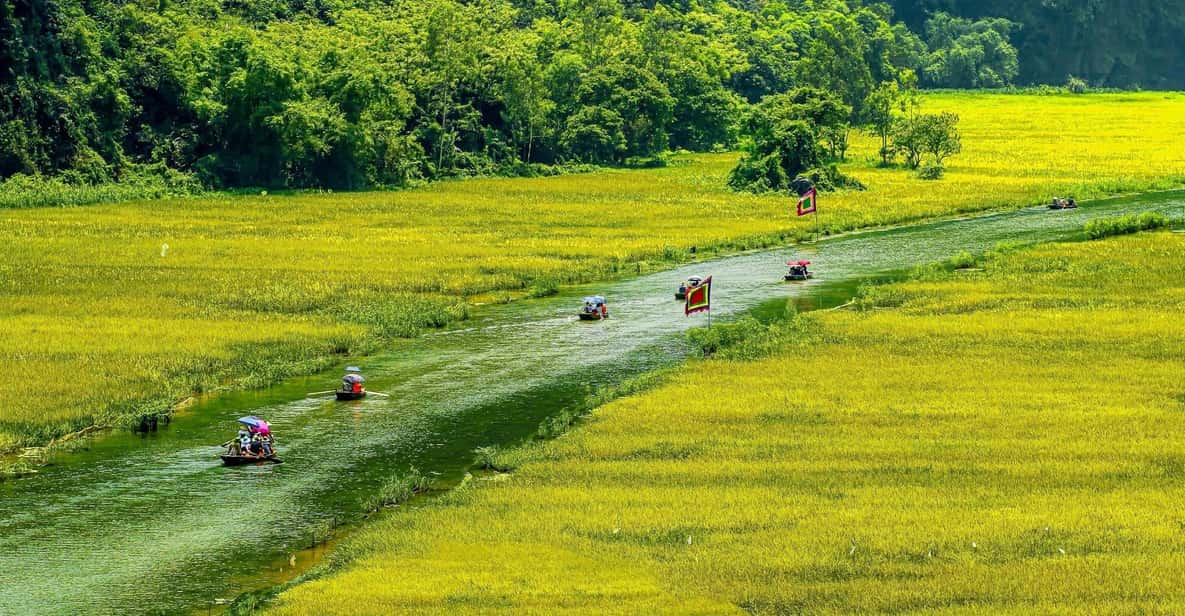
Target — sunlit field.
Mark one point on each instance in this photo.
(101, 323)
(997, 441)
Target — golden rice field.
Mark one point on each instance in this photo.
(1002, 441)
(99, 322)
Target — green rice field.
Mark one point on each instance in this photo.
(1000, 438)
(112, 313)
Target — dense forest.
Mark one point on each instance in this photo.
(1113, 43)
(359, 93)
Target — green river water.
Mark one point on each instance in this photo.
(145, 524)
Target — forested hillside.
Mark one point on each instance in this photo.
(1117, 43)
(361, 93)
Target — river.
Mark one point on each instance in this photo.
(145, 524)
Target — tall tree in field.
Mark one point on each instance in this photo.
(880, 110)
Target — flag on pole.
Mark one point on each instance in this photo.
(807, 203)
(699, 298)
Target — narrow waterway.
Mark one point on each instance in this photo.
(145, 524)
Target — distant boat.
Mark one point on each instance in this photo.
(595, 309)
(689, 284)
(798, 270)
(352, 388)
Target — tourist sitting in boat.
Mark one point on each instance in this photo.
(594, 308)
(352, 388)
(254, 443)
(689, 284)
(798, 270)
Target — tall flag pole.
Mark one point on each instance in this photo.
(699, 299)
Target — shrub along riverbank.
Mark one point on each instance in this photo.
(1004, 439)
(112, 312)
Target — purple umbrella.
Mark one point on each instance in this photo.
(256, 424)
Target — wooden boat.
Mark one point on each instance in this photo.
(350, 395)
(233, 460)
(352, 388)
(594, 309)
(799, 271)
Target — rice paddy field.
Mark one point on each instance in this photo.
(1002, 439)
(113, 312)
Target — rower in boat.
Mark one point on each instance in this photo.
(352, 388)
(689, 284)
(798, 270)
(595, 309)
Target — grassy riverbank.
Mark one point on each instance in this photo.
(101, 323)
(1003, 440)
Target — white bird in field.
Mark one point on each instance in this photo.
(164, 248)
(688, 539)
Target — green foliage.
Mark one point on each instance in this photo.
(1074, 85)
(350, 94)
(787, 136)
(969, 54)
(1110, 43)
(1123, 225)
(934, 134)
(879, 115)
(398, 490)
(489, 458)
(21, 191)
(931, 172)
(543, 288)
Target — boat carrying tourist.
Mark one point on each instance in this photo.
(799, 271)
(594, 309)
(352, 388)
(254, 443)
(691, 283)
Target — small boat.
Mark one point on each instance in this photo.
(255, 435)
(798, 270)
(691, 283)
(595, 309)
(1063, 204)
(233, 460)
(352, 388)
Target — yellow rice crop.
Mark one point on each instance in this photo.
(1003, 442)
(96, 324)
